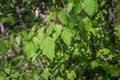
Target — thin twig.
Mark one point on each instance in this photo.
(61, 46)
(3, 31)
(40, 63)
(19, 14)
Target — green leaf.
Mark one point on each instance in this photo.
(89, 6)
(63, 17)
(4, 46)
(114, 70)
(71, 75)
(1, 78)
(50, 28)
(105, 51)
(30, 50)
(73, 21)
(77, 8)
(67, 36)
(18, 40)
(41, 35)
(92, 30)
(25, 35)
(58, 29)
(46, 74)
(95, 64)
(32, 32)
(35, 41)
(11, 19)
(69, 7)
(48, 47)
(59, 78)
(7, 70)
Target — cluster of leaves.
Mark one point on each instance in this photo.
(74, 45)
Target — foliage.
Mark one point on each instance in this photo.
(69, 40)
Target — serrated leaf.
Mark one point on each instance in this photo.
(89, 6)
(67, 36)
(63, 17)
(50, 28)
(30, 50)
(48, 47)
(69, 7)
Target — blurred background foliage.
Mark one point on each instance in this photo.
(59, 40)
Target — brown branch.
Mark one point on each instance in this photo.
(3, 31)
(19, 14)
(111, 22)
(40, 63)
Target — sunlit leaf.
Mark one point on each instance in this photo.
(59, 78)
(89, 6)
(46, 74)
(50, 28)
(58, 29)
(18, 40)
(69, 7)
(63, 17)
(77, 8)
(30, 50)
(67, 36)
(48, 47)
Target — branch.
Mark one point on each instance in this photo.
(40, 63)
(19, 14)
(3, 31)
